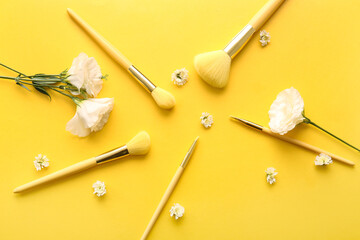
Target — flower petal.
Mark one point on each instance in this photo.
(93, 82)
(286, 111)
(77, 127)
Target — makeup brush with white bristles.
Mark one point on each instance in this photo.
(162, 98)
(139, 145)
(214, 67)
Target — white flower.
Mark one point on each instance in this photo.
(270, 175)
(177, 210)
(323, 159)
(264, 38)
(41, 161)
(206, 119)
(286, 111)
(99, 188)
(85, 74)
(91, 116)
(180, 76)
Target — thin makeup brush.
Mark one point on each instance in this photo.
(163, 98)
(293, 141)
(214, 67)
(139, 145)
(169, 190)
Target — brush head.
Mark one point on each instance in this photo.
(213, 67)
(140, 144)
(163, 98)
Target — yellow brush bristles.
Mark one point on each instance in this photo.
(140, 144)
(163, 98)
(213, 67)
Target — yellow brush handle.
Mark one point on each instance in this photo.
(59, 174)
(265, 13)
(108, 48)
(163, 201)
(307, 146)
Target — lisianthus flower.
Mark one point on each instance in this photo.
(180, 76)
(287, 111)
(99, 188)
(85, 75)
(270, 175)
(264, 38)
(323, 159)
(41, 161)
(91, 116)
(177, 210)
(206, 119)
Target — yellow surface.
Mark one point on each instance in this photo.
(314, 47)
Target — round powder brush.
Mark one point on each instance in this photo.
(138, 145)
(162, 98)
(214, 67)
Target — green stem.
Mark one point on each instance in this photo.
(13, 70)
(44, 79)
(65, 94)
(34, 79)
(21, 80)
(60, 87)
(45, 75)
(10, 78)
(308, 121)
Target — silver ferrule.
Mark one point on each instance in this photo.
(248, 123)
(113, 155)
(239, 41)
(144, 81)
(251, 124)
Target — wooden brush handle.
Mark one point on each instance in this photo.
(59, 174)
(105, 45)
(307, 146)
(163, 202)
(265, 13)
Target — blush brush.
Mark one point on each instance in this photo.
(214, 67)
(138, 145)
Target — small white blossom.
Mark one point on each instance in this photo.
(206, 119)
(270, 175)
(41, 161)
(180, 76)
(264, 38)
(177, 210)
(323, 159)
(99, 188)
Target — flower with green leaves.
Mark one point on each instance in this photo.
(287, 111)
(81, 83)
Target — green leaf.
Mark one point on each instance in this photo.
(43, 91)
(22, 85)
(105, 76)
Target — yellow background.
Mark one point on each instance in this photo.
(314, 48)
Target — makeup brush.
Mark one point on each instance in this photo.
(169, 190)
(293, 141)
(163, 98)
(214, 67)
(139, 145)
